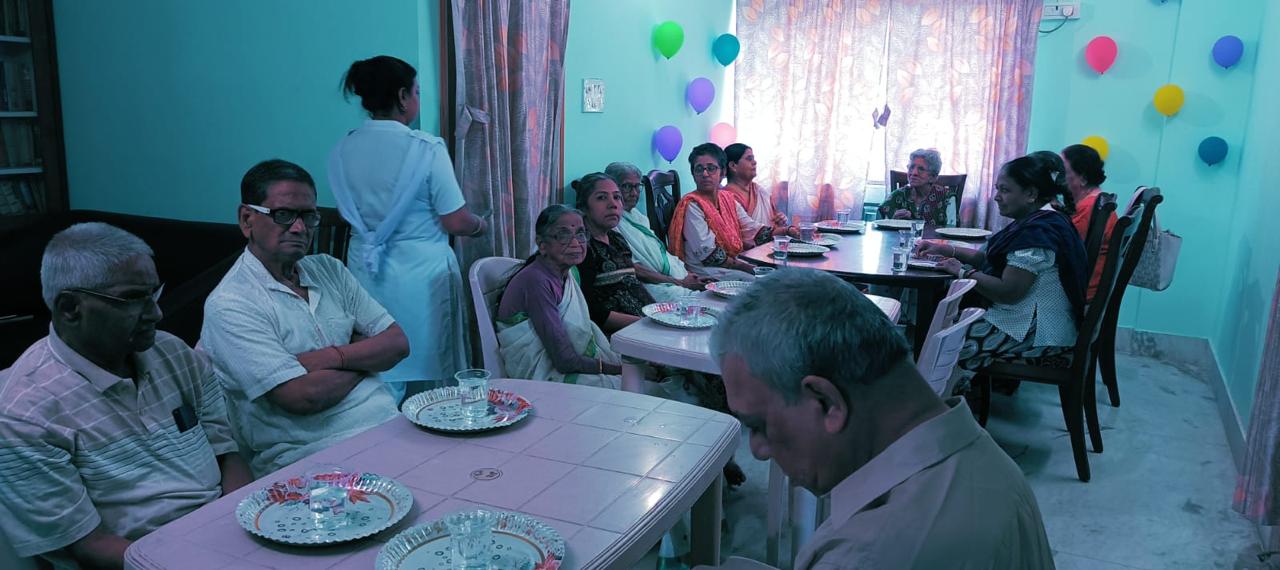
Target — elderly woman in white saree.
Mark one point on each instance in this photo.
(663, 274)
(544, 328)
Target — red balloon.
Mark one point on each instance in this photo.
(1101, 53)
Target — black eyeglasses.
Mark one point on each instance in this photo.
(709, 169)
(132, 301)
(287, 217)
(629, 187)
(563, 237)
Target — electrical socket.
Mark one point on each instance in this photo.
(1061, 11)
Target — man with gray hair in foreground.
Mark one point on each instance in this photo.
(108, 427)
(825, 385)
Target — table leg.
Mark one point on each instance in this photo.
(927, 298)
(632, 376)
(705, 534)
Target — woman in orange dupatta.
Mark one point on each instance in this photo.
(709, 228)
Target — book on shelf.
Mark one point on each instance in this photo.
(17, 144)
(17, 20)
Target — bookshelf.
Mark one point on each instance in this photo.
(32, 168)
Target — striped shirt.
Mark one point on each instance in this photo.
(254, 327)
(81, 446)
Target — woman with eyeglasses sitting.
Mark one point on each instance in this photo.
(544, 327)
(663, 275)
(709, 228)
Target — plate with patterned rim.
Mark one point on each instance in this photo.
(666, 314)
(892, 224)
(728, 289)
(854, 227)
(441, 409)
(963, 233)
(801, 249)
(519, 541)
(921, 263)
(281, 512)
(824, 240)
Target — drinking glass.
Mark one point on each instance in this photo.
(473, 389)
(761, 271)
(687, 308)
(326, 497)
(842, 217)
(807, 230)
(781, 244)
(917, 230)
(470, 538)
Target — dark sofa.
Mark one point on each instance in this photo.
(191, 258)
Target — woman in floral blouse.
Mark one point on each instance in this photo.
(922, 198)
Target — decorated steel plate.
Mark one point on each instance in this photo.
(964, 233)
(824, 240)
(282, 512)
(854, 227)
(519, 542)
(441, 409)
(801, 249)
(668, 314)
(918, 263)
(728, 289)
(892, 224)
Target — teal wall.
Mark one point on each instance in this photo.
(612, 40)
(1253, 252)
(166, 104)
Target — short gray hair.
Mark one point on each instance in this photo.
(84, 256)
(619, 170)
(932, 159)
(800, 322)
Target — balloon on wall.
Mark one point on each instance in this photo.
(723, 134)
(668, 142)
(1101, 53)
(700, 93)
(1227, 51)
(1213, 150)
(668, 37)
(1099, 144)
(1168, 99)
(726, 48)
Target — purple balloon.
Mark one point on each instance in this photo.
(700, 93)
(668, 142)
(1227, 51)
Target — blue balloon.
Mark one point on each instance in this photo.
(726, 48)
(1213, 150)
(1227, 51)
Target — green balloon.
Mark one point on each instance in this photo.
(668, 37)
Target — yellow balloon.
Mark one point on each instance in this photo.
(1099, 144)
(1168, 99)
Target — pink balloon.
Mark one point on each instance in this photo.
(723, 134)
(700, 93)
(668, 142)
(1101, 53)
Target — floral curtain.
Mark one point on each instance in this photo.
(1258, 493)
(509, 93)
(956, 75)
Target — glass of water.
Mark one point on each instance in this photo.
(807, 231)
(781, 244)
(842, 217)
(473, 390)
(761, 271)
(327, 496)
(687, 309)
(470, 538)
(917, 230)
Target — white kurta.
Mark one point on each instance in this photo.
(418, 279)
(700, 242)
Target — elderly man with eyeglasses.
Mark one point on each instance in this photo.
(108, 427)
(295, 339)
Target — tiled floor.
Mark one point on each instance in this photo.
(1160, 495)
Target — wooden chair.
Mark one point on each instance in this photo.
(333, 235)
(1096, 233)
(1074, 379)
(953, 182)
(938, 356)
(488, 277)
(661, 194)
(1105, 349)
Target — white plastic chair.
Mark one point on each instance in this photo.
(938, 356)
(949, 307)
(488, 278)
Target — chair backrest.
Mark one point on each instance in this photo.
(661, 193)
(1119, 249)
(941, 351)
(333, 235)
(1102, 209)
(488, 278)
(949, 307)
(954, 184)
(1147, 198)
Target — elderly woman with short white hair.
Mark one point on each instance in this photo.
(922, 198)
(663, 274)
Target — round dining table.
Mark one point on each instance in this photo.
(867, 257)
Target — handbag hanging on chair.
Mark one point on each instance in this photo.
(1159, 258)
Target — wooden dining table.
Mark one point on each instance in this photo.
(867, 257)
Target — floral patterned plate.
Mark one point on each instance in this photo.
(854, 227)
(519, 541)
(801, 249)
(281, 512)
(728, 289)
(963, 233)
(824, 240)
(668, 314)
(892, 224)
(441, 409)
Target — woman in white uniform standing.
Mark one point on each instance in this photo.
(396, 187)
